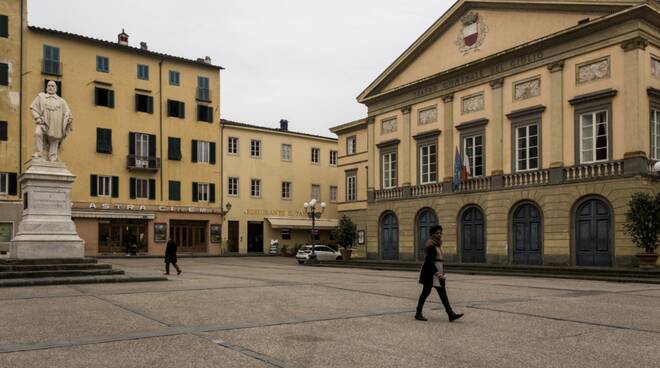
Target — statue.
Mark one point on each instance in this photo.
(54, 121)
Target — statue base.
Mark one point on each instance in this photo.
(46, 229)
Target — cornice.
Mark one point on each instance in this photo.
(472, 124)
(653, 92)
(538, 109)
(391, 142)
(427, 134)
(589, 97)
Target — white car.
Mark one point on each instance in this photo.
(323, 253)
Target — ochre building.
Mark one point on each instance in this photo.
(552, 106)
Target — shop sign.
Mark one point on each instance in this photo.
(139, 208)
(281, 213)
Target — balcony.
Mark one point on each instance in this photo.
(203, 94)
(51, 67)
(593, 171)
(426, 190)
(134, 162)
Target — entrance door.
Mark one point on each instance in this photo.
(473, 243)
(526, 233)
(233, 236)
(190, 236)
(255, 237)
(425, 220)
(593, 234)
(389, 237)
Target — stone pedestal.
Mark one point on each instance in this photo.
(46, 229)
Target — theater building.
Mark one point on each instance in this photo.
(553, 106)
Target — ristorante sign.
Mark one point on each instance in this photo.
(142, 208)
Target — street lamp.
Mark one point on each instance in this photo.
(310, 210)
(225, 210)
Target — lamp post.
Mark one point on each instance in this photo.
(310, 210)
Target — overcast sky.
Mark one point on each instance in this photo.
(303, 60)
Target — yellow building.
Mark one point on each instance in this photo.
(143, 146)
(552, 106)
(268, 174)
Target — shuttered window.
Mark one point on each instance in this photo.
(51, 60)
(176, 109)
(144, 103)
(174, 190)
(4, 26)
(143, 71)
(104, 97)
(174, 148)
(102, 64)
(205, 113)
(3, 131)
(104, 186)
(4, 74)
(103, 140)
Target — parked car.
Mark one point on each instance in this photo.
(323, 253)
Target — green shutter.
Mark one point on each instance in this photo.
(115, 187)
(4, 26)
(152, 189)
(212, 193)
(193, 151)
(212, 153)
(194, 191)
(182, 110)
(93, 185)
(150, 104)
(132, 188)
(111, 98)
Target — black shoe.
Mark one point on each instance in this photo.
(178, 272)
(453, 316)
(419, 317)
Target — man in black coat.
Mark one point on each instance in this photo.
(170, 257)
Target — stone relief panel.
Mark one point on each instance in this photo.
(388, 126)
(427, 116)
(593, 70)
(472, 103)
(655, 67)
(527, 89)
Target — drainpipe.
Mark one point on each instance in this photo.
(20, 101)
(160, 113)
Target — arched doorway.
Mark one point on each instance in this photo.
(425, 219)
(593, 234)
(473, 240)
(527, 235)
(389, 236)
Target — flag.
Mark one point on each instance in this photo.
(458, 167)
(466, 168)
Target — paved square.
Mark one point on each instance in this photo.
(271, 312)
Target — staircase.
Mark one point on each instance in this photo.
(32, 272)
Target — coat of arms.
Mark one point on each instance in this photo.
(472, 33)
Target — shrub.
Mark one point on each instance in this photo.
(345, 233)
(643, 220)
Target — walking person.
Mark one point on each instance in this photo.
(170, 257)
(432, 275)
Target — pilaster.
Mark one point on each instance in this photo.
(371, 158)
(406, 169)
(556, 115)
(496, 132)
(448, 140)
(634, 118)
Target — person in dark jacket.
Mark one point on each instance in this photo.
(170, 257)
(432, 275)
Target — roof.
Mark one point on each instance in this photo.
(274, 130)
(355, 124)
(127, 48)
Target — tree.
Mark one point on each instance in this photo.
(643, 220)
(345, 233)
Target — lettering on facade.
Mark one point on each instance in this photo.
(139, 208)
(280, 213)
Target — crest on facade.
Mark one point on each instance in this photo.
(472, 33)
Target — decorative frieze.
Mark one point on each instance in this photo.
(427, 116)
(473, 103)
(655, 67)
(593, 70)
(388, 126)
(527, 88)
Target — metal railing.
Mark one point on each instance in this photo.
(151, 163)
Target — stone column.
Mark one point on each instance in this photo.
(371, 158)
(406, 169)
(448, 142)
(497, 171)
(634, 148)
(556, 123)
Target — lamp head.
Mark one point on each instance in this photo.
(306, 205)
(228, 206)
(312, 202)
(322, 204)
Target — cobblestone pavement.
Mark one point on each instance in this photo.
(271, 312)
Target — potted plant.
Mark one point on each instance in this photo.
(643, 225)
(345, 235)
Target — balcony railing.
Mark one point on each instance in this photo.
(203, 94)
(143, 163)
(593, 171)
(475, 184)
(527, 178)
(51, 67)
(388, 194)
(651, 167)
(426, 189)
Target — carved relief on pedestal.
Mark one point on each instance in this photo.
(427, 116)
(527, 88)
(655, 67)
(388, 126)
(593, 70)
(473, 103)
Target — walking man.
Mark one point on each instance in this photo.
(170, 257)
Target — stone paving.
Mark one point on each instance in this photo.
(271, 312)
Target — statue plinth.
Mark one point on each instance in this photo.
(46, 229)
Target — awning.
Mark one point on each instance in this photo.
(301, 223)
(112, 215)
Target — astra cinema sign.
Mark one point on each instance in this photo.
(140, 208)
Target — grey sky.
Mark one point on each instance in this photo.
(303, 60)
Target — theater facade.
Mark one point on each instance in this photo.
(553, 107)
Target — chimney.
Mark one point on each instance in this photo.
(284, 125)
(207, 59)
(122, 38)
(143, 46)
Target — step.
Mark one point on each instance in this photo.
(65, 273)
(54, 267)
(77, 280)
(47, 261)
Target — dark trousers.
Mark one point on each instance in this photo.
(441, 292)
(167, 266)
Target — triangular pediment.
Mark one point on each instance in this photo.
(474, 29)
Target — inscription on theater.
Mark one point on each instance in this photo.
(263, 212)
(480, 73)
(131, 207)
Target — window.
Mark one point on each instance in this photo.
(4, 26)
(176, 109)
(203, 91)
(473, 155)
(51, 62)
(141, 146)
(285, 152)
(144, 103)
(594, 137)
(232, 187)
(4, 74)
(102, 64)
(203, 149)
(202, 192)
(205, 113)
(143, 71)
(142, 188)
(174, 190)
(389, 170)
(104, 186)
(173, 148)
(527, 147)
(3, 131)
(351, 186)
(174, 78)
(333, 194)
(333, 158)
(351, 145)
(4, 183)
(103, 140)
(286, 234)
(286, 190)
(316, 192)
(255, 148)
(232, 145)
(104, 97)
(428, 163)
(655, 134)
(255, 188)
(316, 155)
